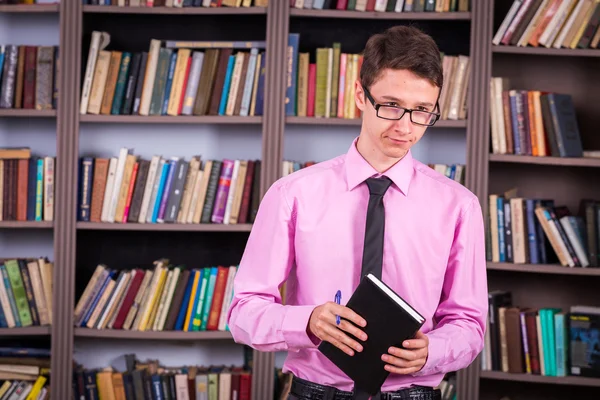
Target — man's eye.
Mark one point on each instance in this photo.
(391, 104)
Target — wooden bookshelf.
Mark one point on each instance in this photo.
(543, 269)
(551, 380)
(164, 119)
(29, 8)
(559, 161)
(174, 10)
(102, 226)
(407, 16)
(461, 124)
(26, 224)
(565, 180)
(543, 51)
(25, 331)
(151, 335)
(26, 113)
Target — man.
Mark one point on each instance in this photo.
(310, 232)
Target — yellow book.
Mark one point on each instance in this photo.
(183, 56)
(36, 389)
(190, 305)
(153, 301)
(4, 388)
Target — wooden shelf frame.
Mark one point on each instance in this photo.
(543, 51)
(26, 224)
(26, 113)
(543, 269)
(26, 331)
(419, 16)
(531, 378)
(174, 10)
(104, 226)
(29, 8)
(151, 335)
(167, 119)
(558, 161)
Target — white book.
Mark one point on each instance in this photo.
(249, 83)
(149, 76)
(116, 190)
(507, 20)
(98, 42)
(227, 298)
(110, 181)
(49, 185)
(193, 82)
(553, 28)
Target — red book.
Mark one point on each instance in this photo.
(217, 303)
(129, 298)
(312, 85)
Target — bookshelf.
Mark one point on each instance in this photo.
(79, 246)
(565, 179)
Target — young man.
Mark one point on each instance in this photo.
(319, 228)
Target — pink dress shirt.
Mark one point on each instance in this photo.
(309, 231)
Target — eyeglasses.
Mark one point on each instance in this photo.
(418, 117)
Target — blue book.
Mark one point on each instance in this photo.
(31, 187)
(161, 185)
(226, 85)
(198, 297)
(90, 311)
(501, 244)
(292, 59)
(260, 90)
(185, 301)
(167, 189)
(532, 237)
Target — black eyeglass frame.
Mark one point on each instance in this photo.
(405, 110)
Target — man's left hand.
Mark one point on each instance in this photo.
(409, 359)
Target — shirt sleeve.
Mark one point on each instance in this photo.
(256, 316)
(458, 337)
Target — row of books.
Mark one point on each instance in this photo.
(133, 189)
(532, 122)
(324, 85)
(152, 380)
(174, 78)
(28, 77)
(24, 373)
(27, 185)
(384, 5)
(163, 298)
(547, 341)
(456, 172)
(179, 3)
(25, 292)
(536, 231)
(556, 24)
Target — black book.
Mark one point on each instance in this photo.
(390, 321)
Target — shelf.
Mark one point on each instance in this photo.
(25, 331)
(175, 10)
(543, 51)
(151, 335)
(100, 226)
(543, 269)
(563, 161)
(558, 380)
(358, 121)
(296, 12)
(26, 224)
(29, 8)
(167, 119)
(29, 113)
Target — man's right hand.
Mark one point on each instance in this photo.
(323, 325)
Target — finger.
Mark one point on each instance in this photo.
(415, 343)
(402, 371)
(407, 354)
(345, 342)
(402, 363)
(347, 326)
(347, 313)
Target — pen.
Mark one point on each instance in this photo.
(338, 299)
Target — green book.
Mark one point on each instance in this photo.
(321, 84)
(16, 282)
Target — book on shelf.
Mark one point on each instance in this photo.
(25, 292)
(133, 189)
(130, 378)
(537, 231)
(180, 3)
(456, 172)
(164, 298)
(569, 24)
(533, 122)
(24, 373)
(28, 77)
(27, 185)
(174, 78)
(321, 84)
(384, 5)
(547, 341)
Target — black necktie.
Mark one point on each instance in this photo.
(373, 250)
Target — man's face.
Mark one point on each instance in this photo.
(388, 138)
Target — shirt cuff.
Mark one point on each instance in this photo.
(435, 355)
(295, 328)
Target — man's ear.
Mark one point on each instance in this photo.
(359, 96)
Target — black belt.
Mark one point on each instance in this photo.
(314, 391)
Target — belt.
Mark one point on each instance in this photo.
(314, 391)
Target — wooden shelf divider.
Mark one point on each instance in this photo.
(175, 10)
(105, 226)
(557, 380)
(543, 51)
(151, 335)
(25, 331)
(167, 119)
(430, 16)
(543, 269)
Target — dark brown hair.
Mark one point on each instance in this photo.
(401, 47)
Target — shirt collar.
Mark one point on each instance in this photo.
(358, 170)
